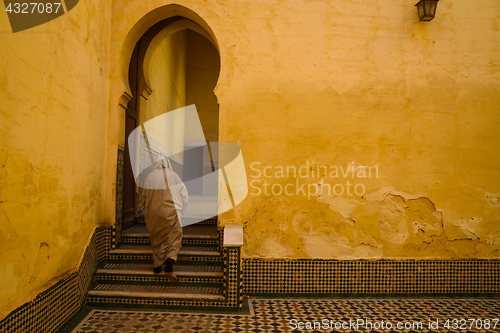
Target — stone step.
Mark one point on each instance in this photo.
(186, 220)
(202, 231)
(197, 234)
(146, 250)
(189, 220)
(186, 242)
(101, 291)
(142, 269)
(142, 254)
(143, 273)
(127, 278)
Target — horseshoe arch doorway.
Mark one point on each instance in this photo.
(174, 63)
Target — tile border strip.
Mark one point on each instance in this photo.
(232, 285)
(371, 277)
(120, 167)
(51, 309)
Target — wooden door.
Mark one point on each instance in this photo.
(131, 122)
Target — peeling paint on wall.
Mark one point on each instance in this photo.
(299, 81)
(340, 228)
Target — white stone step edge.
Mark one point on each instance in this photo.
(149, 251)
(150, 272)
(183, 236)
(114, 293)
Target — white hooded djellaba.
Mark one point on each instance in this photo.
(163, 206)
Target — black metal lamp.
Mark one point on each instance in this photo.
(426, 9)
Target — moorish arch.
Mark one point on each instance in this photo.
(196, 23)
(182, 24)
(137, 69)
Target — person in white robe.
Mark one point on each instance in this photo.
(163, 205)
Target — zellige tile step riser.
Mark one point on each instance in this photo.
(213, 243)
(145, 258)
(172, 284)
(180, 261)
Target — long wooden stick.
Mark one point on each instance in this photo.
(152, 159)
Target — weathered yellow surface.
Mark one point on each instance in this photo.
(367, 84)
(342, 84)
(53, 122)
(203, 67)
(167, 72)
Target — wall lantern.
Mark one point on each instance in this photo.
(426, 9)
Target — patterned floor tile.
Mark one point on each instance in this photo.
(313, 315)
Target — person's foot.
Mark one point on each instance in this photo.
(171, 276)
(169, 270)
(157, 270)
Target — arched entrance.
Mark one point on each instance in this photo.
(170, 59)
(174, 63)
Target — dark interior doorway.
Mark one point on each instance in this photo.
(202, 68)
(131, 122)
(193, 170)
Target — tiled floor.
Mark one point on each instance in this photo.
(300, 315)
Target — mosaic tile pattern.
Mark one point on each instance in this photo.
(52, 308)
(149, 257)
(117, 231)
(104, 241)
(164, 288)
(140, 273)
(155, 279)
(141, 268)
(88, 267)
(221, 239)
(231, 288)
(133, 302)
(212, 221)
(275, 316)
(214, 242)
(261, 276)
(185, 250)
(233, 280)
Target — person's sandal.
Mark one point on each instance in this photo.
(157, 270)
(169, 270)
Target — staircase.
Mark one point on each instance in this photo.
(208, 274)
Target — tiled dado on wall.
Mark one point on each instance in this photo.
(52, 308)
(382, 277)
(120, 167)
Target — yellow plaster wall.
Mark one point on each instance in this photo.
(366, 82)
(167, 72)
(53, 124)
(320, 82)
(203, 67)
(361, 82)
